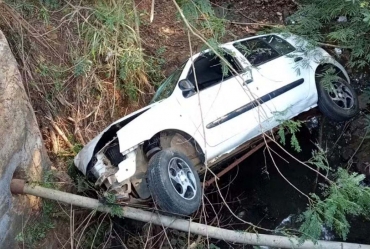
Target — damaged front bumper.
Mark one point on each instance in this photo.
(123, 176)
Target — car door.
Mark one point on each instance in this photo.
(219, 96)
(282, 82)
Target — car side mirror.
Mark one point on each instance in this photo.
(186, 85)
(187, 88)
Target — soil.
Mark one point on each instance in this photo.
(167, 29)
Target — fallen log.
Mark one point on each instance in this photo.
(20, 187)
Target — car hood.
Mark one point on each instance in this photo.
(84, 156)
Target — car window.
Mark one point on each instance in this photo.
(263, 49)
(256, 51)
(166, 88)
(280, 45)
(209, 70)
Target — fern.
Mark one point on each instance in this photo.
(291, 127)
(115, 209)
(319, 159)
(327, 78)
(343, 198)
(317, 21)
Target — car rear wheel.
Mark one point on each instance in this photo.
(341, 103)
(174, 183)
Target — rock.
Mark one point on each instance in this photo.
(363, 100)
(364, 168)
(338, 51)
(22, 153)
(257, 1)
(342, 19)
(347, 153)
(358, 127)
(279, 13)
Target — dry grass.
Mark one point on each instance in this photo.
(83, 66)
(81, 70)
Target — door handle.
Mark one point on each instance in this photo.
(247, 82)
(296, 59)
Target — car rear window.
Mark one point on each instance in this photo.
(280, 45)
(263, 49)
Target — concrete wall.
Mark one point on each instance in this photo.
(21, 148)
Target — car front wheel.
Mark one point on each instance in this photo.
(339, 104)
(174, 183)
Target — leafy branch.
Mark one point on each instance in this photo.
(292, 127)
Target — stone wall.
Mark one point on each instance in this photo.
(22, 153)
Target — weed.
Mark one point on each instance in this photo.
(114, 48)
(35, 232)
(116, 210)
(44, 15)
(82, 67)
(48, 179)
(292, 127)
(24, 7)
(51, 4)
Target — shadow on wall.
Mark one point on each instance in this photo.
(22, 152)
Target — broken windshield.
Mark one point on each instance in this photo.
(166, 88)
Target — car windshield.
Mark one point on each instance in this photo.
(166, 88)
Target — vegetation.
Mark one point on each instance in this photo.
(335, 23)
(290, 127)
(346, 197)
(113, 48)
(33, 234)
(343, 195)
(106, 50)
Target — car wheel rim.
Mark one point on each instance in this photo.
(342, 96)
(182, 178)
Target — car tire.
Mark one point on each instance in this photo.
(339, 105)
(174, 183)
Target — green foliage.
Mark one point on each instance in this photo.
(346, 197)
(48, 179)
(37, 228)
(317, 21)
(114, 48)
(319, 159)
(327, 78)
(200, 14)
(51, 4)
(53, 74)
(24, 7)
(34, 233)
(82, 67)
(291, 127)
(116, 210)
(44, 15)
(83, 184)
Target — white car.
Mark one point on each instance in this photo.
(203, 113)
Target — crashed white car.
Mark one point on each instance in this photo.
(202, 113)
